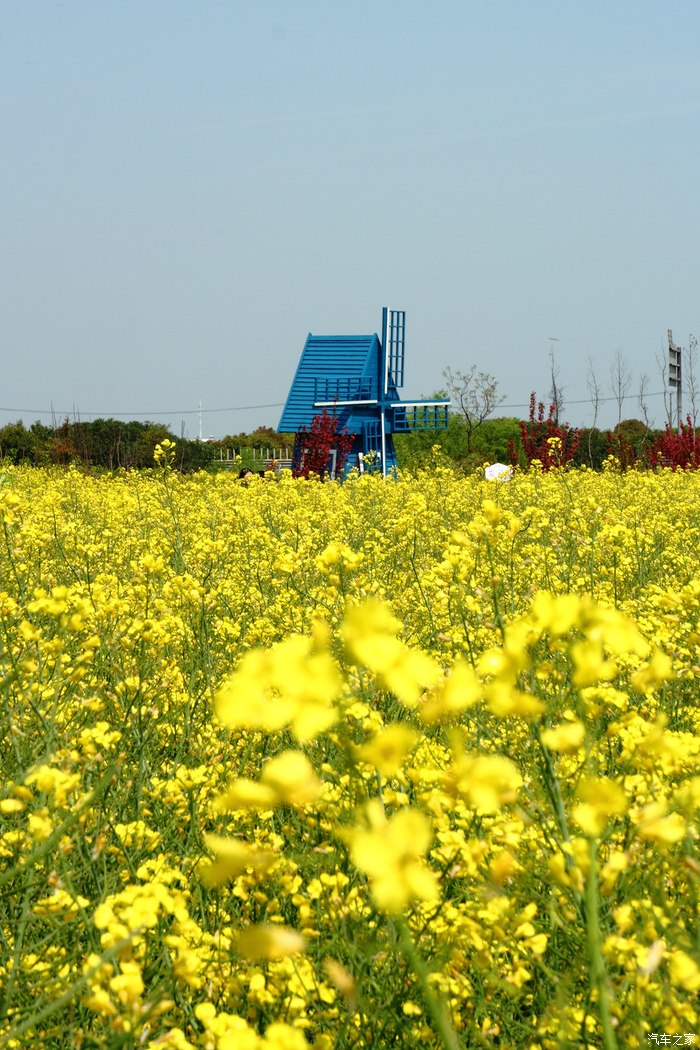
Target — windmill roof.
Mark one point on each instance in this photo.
(327, 357)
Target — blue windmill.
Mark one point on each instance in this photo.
(357, 378)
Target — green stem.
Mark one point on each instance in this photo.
(10, 1037)
(437, 1010)
(17, 954)
(55, 837)
(494, 595)
(596, 962)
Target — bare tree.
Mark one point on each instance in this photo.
(556, 390)
(595, 391)
(475, 395)
(644, 384)
(620, 381)
(662, 364)
(691, 377)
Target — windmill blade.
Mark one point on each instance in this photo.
(394, 349)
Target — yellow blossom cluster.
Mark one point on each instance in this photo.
(388, 763)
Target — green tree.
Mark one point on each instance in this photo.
(17, 443)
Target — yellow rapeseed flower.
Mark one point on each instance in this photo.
(458, 691)
(289, 684)
(601, 799)
(390, 852)
(370, 634)
(389, 747)
(233, 856)
(269, 942)
(128, 985)
(656, 824)
(288, 779)
(565, 737)
(485, 782)
(684, 970)
(292, 777)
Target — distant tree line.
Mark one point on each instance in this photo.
(510, 440)
(112, 444)
(474, 437)
(109, 444)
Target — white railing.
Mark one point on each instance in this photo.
(228, 455)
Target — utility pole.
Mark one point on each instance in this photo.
(674, 375)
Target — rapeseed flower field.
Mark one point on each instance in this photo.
(407, 763)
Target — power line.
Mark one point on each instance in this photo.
(279, 404)
(593, 401)
(172, 412)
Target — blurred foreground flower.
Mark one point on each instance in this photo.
(291, 684)
(269, 942)
(370, 634)
(288, 779)
(601, 799)
(232, 857)
(390, 852)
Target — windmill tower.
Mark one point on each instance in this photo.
(358, 379)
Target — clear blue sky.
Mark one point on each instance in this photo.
(188, 188)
